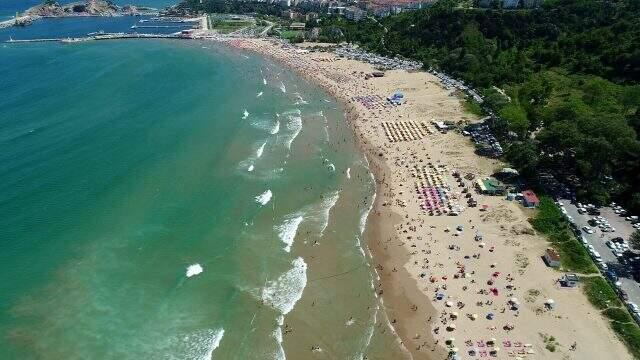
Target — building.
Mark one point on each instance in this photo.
(570, 280)
(529, 199)
(382, 12)
(354, 14)
(311, 16)
(297, 26)
(510, 4)
(551, 258)
(292, 15)
(491, 186)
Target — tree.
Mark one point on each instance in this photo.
(516, 117)
(634, 240)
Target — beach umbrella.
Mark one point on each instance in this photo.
(454, 350)
(451, 326)
(454, 315)
(482, 244)
(449, 304)
(474, 316)
(450, 340)
(514, 300)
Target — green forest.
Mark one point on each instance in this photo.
(571, 71)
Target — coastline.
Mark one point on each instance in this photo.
(405, 287)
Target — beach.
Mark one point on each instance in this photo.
(473, 284)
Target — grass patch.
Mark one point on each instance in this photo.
(290, 34)
(226, 26)
(618, 314)
(550, 221)
(472, 106)
(630, 335)
(600, 293)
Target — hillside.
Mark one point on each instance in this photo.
(571, 70)
(86, 7)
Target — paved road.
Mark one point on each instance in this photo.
(623, 230)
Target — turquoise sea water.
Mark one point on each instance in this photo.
(123, 164)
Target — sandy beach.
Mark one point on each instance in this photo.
(472, 284)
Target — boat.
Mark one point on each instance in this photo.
(73, 40)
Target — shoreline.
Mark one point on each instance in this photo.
(417, 256)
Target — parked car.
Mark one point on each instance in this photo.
(588, 230)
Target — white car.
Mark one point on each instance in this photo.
(588, 230)
(611, 245)
(636, 226)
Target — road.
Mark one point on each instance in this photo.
(623, 230)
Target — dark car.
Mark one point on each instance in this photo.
(611, 276)
(623, 295)
(593, 211)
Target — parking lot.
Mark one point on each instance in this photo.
(599, 238)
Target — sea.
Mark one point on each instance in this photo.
(166, 199)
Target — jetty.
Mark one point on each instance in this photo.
(105, 36)
(159, 26)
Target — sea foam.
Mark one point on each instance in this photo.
(193, 270)
(198, 345)
(288, 230)
(260, 150)
(295, 126)
(276, 128)
(321, 212)
(264, 198)
(283, 293)
(245, 114)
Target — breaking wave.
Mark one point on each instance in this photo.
(264, 198)
(288, 229)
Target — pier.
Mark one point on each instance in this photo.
(159, 26)
(105, 36)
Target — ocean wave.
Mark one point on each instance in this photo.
(248, 164)
(193, 270)
(276, 128)
(300, 100)
(277, 334)
(264, 198)
(259, 94)
(348, 173)
(322, 211)
(283, 293)
(260, 150)
(245, 114)
(295, 126)
(282, 87)
(288, 230)
(198, 345)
